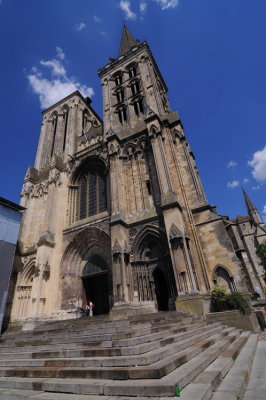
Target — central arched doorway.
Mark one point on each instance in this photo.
(161, 289)
(95, 279)
(86, 272)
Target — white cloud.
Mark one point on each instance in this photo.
(264, 214)
(143, 6)
(258, 163)
(233, 184)
(256, 187)
(60, 53)
(96, 19)
(58, 86)
(167, 3)
(246, 180)
(56, 67)
(231, 164)
(125, 6)
(81, 26)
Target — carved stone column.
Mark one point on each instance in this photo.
(121, 283)
(182, 265)
(42, 273)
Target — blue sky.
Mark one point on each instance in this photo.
(210, 52)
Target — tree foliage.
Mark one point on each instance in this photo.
(261, 251)
(224, 301)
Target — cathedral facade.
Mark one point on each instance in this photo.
(115, 210)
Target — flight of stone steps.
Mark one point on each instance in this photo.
(150, 356)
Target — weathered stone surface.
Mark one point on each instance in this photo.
(122, 198)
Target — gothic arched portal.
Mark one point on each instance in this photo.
(86, 271)
(153, 274)
(95, 279)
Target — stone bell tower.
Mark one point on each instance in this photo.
(156, 193)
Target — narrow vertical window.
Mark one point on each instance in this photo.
(92, 193)
(65, 128)
(138, 107)
(101, 193)
(120, 95)
(54, 124)
(132, 71)
(122, 115)
(135, 88)
(83, 198)
(118, 80)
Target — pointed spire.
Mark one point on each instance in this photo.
(127, 42)
(252, 210)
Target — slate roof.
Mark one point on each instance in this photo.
(127, 42)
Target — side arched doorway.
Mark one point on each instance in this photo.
(95, 279)
(153, 275)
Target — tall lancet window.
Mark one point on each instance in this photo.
(54, 126)
(92, 191)
(65, 117)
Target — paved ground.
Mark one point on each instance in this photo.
(256, 388)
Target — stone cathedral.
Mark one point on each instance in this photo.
(115, 210)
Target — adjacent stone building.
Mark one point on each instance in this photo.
(116, 212)
(10, 220)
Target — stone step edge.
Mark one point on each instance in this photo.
(65, 340)
(135, 359)
(18, 394)
(153, 371)
(209, 380)
(96, 347)
(235, 382)
(150, 388)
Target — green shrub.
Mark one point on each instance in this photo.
(233, 301)
(218, 294)
(261, 252)
(236, 301)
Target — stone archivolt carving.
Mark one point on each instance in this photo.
(175, 233)
(135, 147)
(71, 162)
(114, 149)
(46, 239)
(133, 232)
(126, 249)
(116, 248)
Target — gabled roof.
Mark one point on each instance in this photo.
(127, 42)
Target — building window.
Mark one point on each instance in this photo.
(119, 95)
(122, 115)
(85, 120)
(118, 79)
(132, 71)
(135, 87)
(92, 188)
(65, 117)
(54, 126)
(138, 107)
